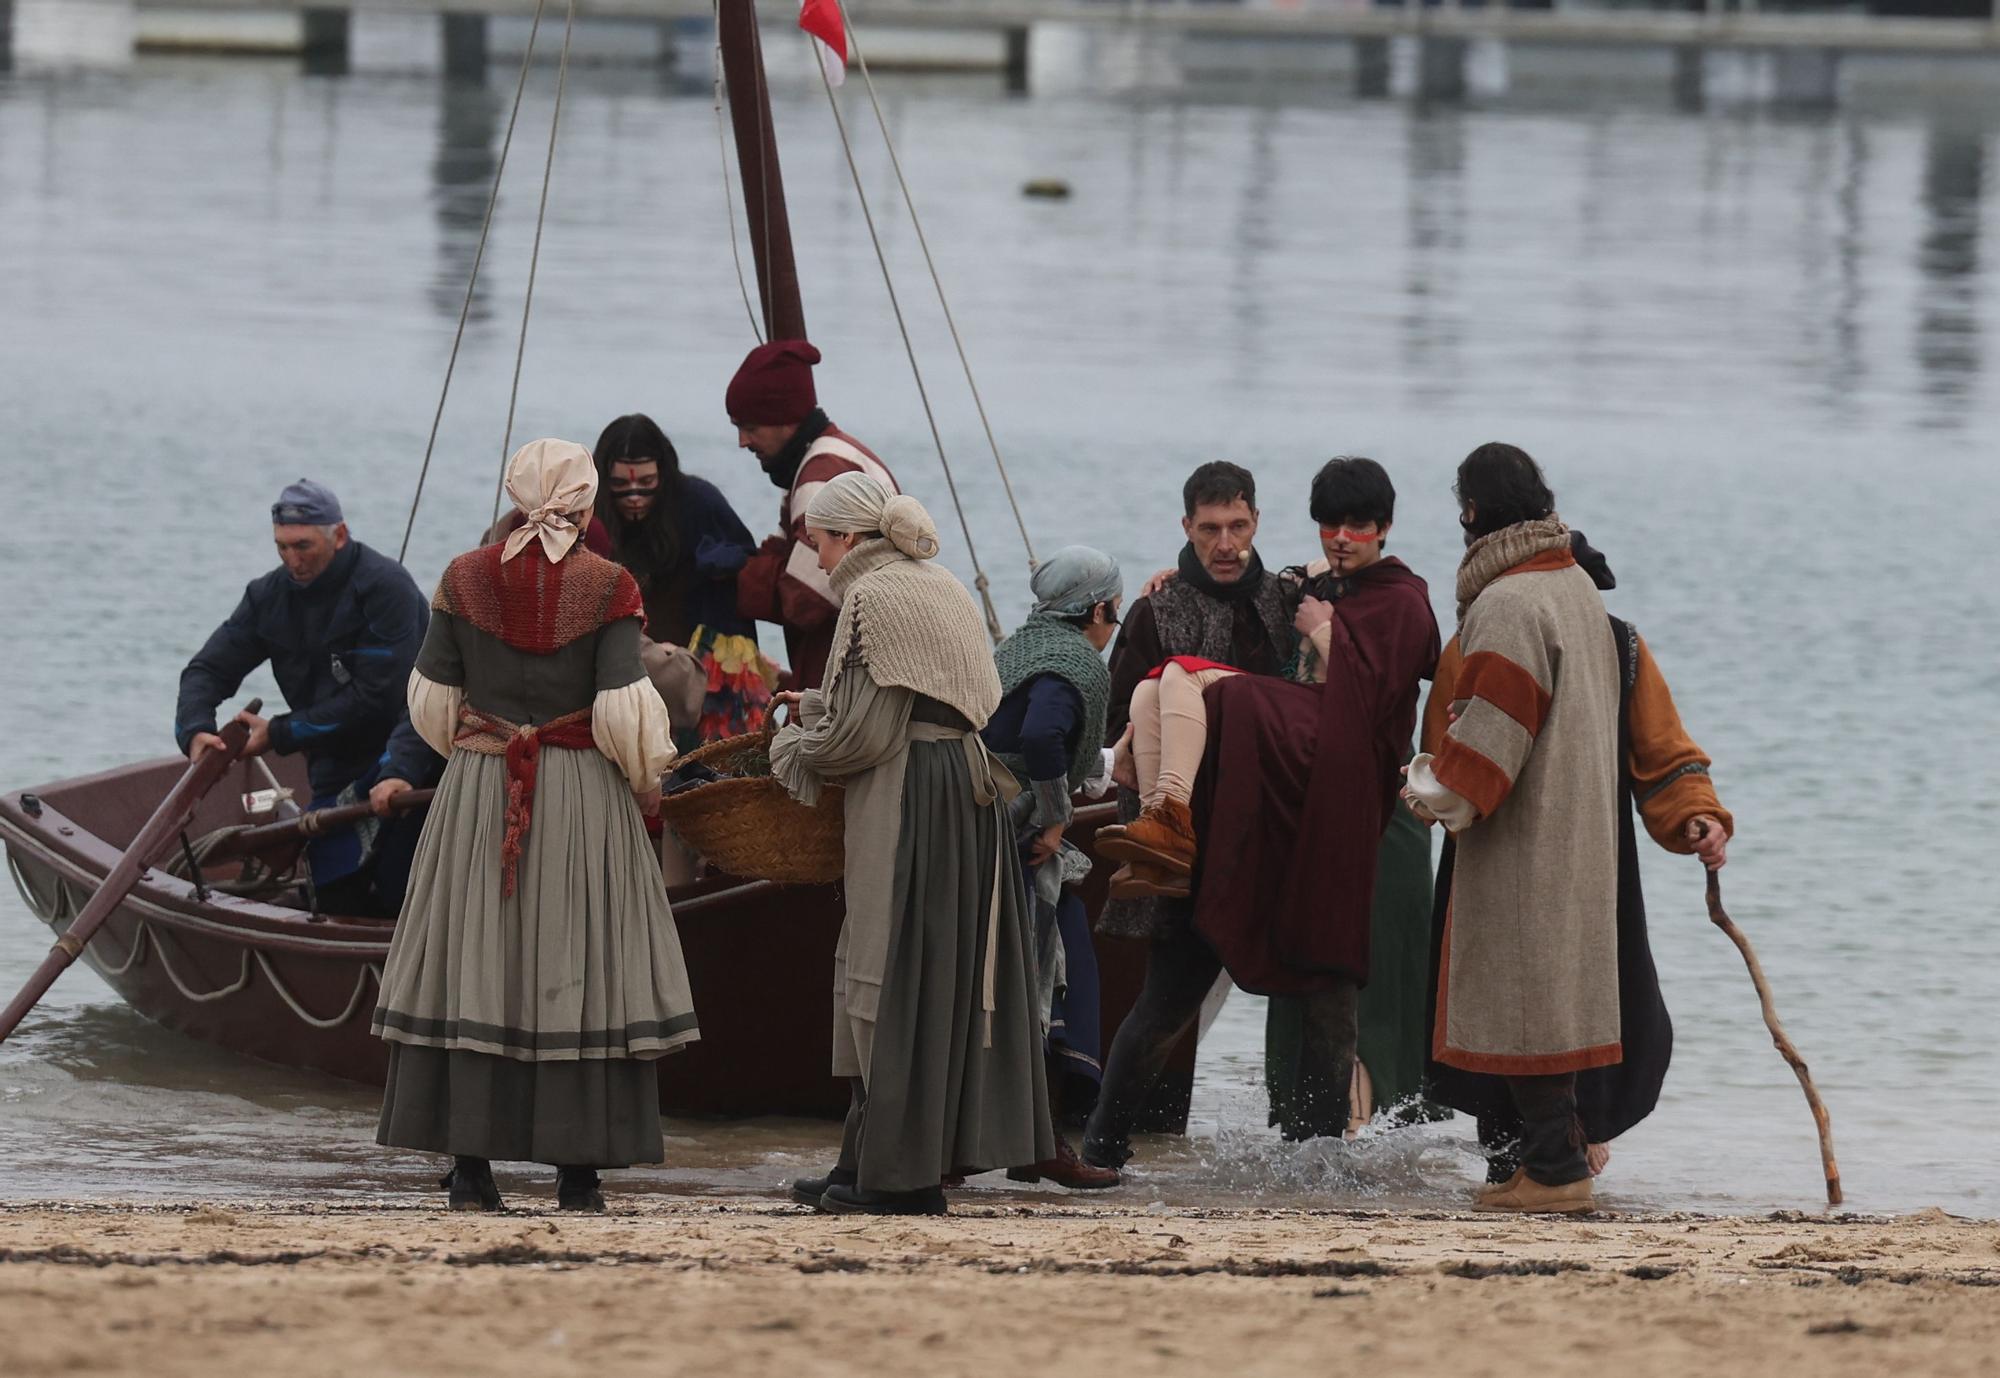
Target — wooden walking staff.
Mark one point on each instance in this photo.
(1721, 920)
(176, 811)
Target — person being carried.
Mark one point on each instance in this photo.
(775, 409)
(1296, 780)
(1056, 696)
(535, 974)
(340, 625)
(934, 975)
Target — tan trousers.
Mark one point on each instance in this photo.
(1170, 731)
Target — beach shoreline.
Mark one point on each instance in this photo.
(752, 1285)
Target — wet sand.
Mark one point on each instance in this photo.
(679, 1285)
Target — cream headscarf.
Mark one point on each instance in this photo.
(857, 502)
(550, 481)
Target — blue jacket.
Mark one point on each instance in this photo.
(341, 649)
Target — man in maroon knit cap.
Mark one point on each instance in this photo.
(777, 418)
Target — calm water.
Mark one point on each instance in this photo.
(1752, 351)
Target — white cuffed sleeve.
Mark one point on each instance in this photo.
(434, 710)
(630, 726)
(1453, 810)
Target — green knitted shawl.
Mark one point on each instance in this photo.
(1047, 645)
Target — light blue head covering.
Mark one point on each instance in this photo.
(1076, 579)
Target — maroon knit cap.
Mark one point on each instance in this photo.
(775, 385)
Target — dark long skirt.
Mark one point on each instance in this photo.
(595, 1112)
(939, 1100)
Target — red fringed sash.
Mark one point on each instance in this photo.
(522, 746)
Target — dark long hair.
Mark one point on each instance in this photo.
(653, 548)
(1504, 485)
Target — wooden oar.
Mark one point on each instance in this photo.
(173, 815)
(1721, 920)
(307, 826)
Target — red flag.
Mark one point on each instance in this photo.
(822, 19)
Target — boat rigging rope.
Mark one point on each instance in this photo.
(478, 257)
(728, 193)
(980, 581)
(909, 202)
(534, 255)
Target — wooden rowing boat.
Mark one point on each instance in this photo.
(288, 987)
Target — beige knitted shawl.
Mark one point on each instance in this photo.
(1492, 555)
(916, 628)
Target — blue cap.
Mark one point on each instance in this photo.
(306, 503)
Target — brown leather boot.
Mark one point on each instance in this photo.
(1066, 1170)
(1525, 1196)
(1161, 837)
(1138, 881)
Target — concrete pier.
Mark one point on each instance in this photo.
(326, 44)
(1015, 63)
(465, 54)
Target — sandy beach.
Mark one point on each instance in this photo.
(677, 1285)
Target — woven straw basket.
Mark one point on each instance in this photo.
(750, 827)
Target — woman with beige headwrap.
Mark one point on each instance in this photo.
(935, 1021)
(535, 973)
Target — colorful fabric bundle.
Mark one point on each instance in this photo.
(741, 680)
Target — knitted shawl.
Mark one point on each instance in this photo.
(916, 628)
(532, 604)
(1505, 551)
(1047, 645)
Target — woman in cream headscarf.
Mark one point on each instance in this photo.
(535, 973)
(934, 1001)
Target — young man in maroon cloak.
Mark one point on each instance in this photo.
(775, 409)
(1289, 807)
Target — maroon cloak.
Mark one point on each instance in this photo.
(1296, 787)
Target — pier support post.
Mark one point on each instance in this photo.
(327, 47)
(1016, 60)
(1372, 67)
(1690, 76)
(6, 35)
(1441, 68)
(1806, 78)
(464, 46)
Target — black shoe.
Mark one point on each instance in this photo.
(470, 1183)
(1104, 1153)
(847, 1200)
(808, 1190)
(577, 1189)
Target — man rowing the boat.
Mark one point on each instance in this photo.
(340, 625)
(773, 405)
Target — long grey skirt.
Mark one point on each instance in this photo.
(525, 1026)
(573, 1114)
(939, 1101)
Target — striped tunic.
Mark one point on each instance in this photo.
(1527, 778)
(805, 596)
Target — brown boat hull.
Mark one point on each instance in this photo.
(283, 986)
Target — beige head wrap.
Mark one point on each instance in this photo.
(550, 481)
(862, 502)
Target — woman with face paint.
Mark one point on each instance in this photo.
(684, 544)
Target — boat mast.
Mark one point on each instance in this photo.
(757, 163)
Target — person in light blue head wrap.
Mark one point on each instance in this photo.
(1049, 731)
